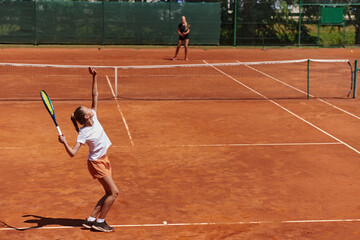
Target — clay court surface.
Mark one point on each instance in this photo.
(212, 169)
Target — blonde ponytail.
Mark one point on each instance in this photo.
(185, 23)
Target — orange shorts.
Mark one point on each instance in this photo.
(99, 168)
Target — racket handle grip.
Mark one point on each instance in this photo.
(59, 131)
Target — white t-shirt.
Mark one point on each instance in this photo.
(96, 139)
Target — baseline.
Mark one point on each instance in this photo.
(165, 224)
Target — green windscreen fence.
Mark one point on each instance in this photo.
(102, 22)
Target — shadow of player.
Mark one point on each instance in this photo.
(40, 222)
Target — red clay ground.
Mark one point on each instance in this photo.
(249, 167)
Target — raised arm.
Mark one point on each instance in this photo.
(94, 89)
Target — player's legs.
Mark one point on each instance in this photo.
(177, 49)
(109, 198)
(186, 48)
(95, 213)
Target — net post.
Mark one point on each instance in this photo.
(308, 79)
(355, 78)
(116, 82)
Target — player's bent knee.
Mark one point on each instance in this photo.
(115, 194)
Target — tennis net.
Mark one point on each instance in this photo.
(304, 78)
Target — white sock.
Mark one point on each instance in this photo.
(91, 219)
(99, 220)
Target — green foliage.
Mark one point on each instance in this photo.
(266, 20)
(330, 35)
(333, 35)
(7, 29)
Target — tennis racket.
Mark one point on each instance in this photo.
(188, 27)
(48, 105)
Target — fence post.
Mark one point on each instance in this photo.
(35, 23)
(299, 37)
(169, 23)
(103, 23)
(344, 33)
(235, 21)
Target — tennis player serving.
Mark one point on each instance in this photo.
(98, 163)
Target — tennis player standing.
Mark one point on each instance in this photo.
(98, 163)
(183, 31)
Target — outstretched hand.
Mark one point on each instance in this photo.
(92, 71)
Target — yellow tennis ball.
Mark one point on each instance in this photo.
(351, 51)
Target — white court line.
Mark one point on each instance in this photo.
(275, 79)
(121, 113)
(305, 93)
(284, 108)
(165, 224)
(235, 145)
(338, 108)
(125, 123)
(111, 88)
